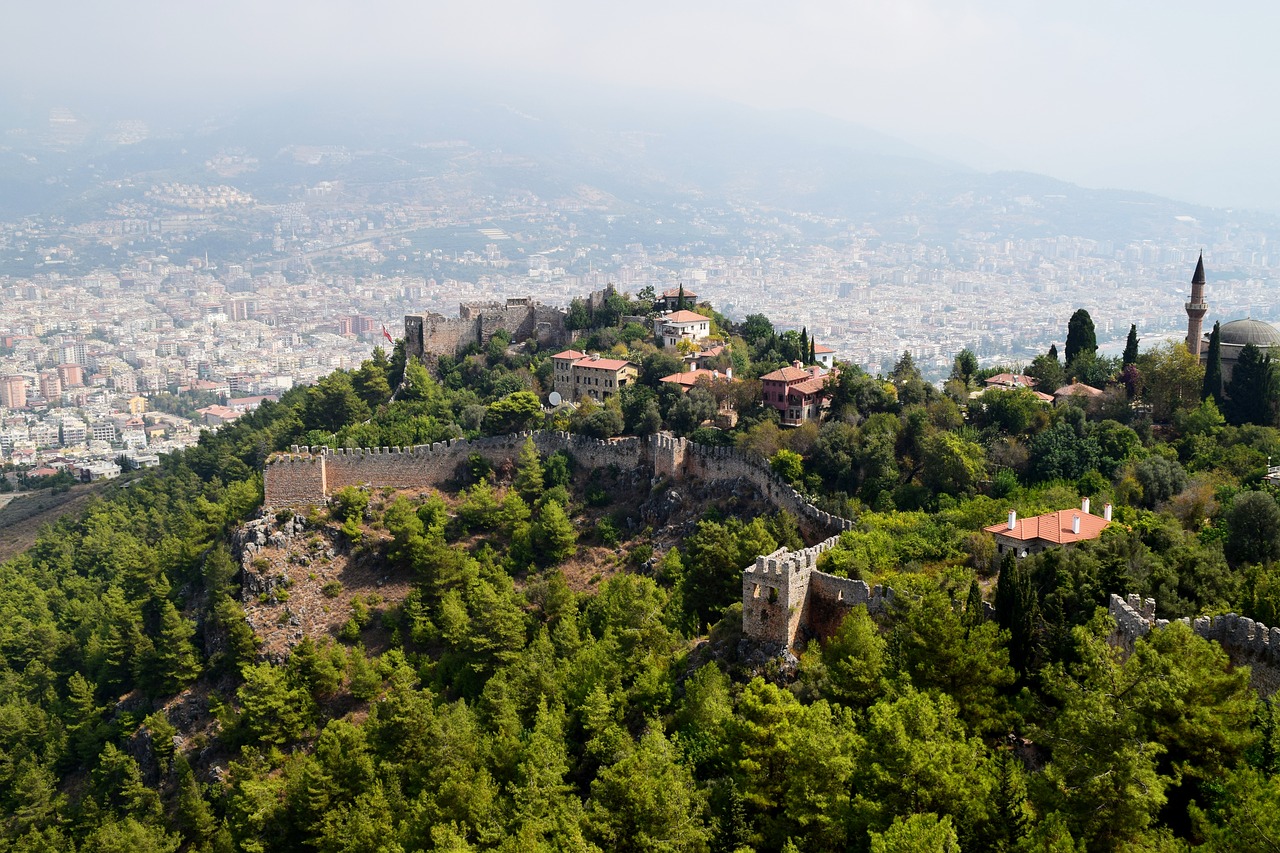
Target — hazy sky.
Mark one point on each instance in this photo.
(1172, 97)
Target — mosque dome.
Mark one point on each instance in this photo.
(1241, 332)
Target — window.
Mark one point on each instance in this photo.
(755, 590)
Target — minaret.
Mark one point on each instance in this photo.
(1196, 309)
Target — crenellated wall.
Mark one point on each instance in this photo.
(785, 599)
(431, 335)
(307, 476)
(295, 479)
(679, 458)
(1245, 640)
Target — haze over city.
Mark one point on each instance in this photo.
(1170, 98)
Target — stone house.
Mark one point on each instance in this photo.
(562, 372)
(1026, 536)
(578, 376)
(670, 300)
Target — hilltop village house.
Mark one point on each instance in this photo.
(670, 329)
(675, 299)
(1028, 536)
(1011, 382)
(798, 393)
(579, 376)
(688, 379)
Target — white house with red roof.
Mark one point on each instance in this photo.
(824, 355)
(670, 329)
(798, 393)
(1025, 536)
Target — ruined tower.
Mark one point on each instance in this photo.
(1196, 309)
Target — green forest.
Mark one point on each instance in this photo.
(569, 673)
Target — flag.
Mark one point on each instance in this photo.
(387, 335)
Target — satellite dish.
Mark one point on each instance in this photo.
(555, 398)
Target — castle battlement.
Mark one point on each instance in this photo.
(1246, 640)
(785, 598)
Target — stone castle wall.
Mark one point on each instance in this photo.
(295, 479)
(1246, 641)
(308, 476)
(678, 458)
(429, 336)
(785, 599)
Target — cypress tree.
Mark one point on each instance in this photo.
(804, 343)
(1080, 336)
(1018, 611)
(1131, 346)
(1252, 391)
(813, 351)
(1053, 351)
(1213, 368)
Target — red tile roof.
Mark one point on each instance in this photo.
(570, 353)
(613, 364)
(1018, 380)
(675, 293)
(1054, 527)
(821, 348)
(685, 317)
(1077, 388)
(810, 386)
(690, 378)
(787, 374)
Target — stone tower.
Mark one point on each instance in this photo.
(1196, 309)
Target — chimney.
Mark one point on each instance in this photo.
(796, 364)
(1075, 524)
(1013, 519)
(1106, 512)
(728, 373)
(1084, 505)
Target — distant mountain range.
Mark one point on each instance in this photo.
(646, 150)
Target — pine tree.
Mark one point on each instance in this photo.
(1213, 368)
(555, 536)
(528, 480)
(174, 663)
(1131, 346)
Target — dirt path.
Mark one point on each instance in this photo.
(22, 517)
